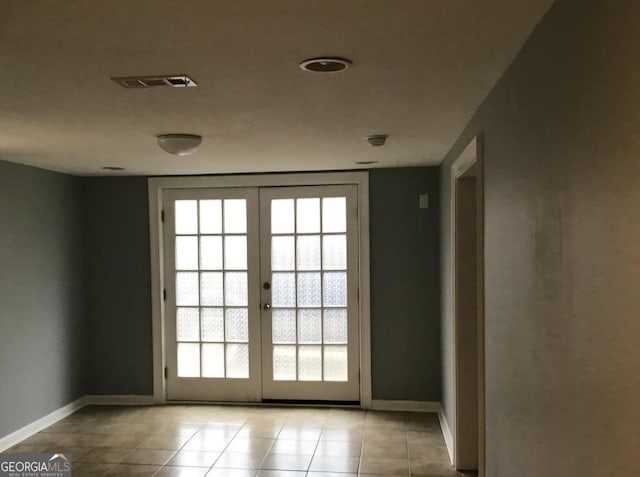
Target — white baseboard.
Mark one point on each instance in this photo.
(40, 424)
(406, 406)
(120, 400)
(446, 432)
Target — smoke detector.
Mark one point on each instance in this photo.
(325, 65)
(377, 140)
(141, 82)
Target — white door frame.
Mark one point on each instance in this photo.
(470, 157)
(156, 187)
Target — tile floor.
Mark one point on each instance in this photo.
(245, 441)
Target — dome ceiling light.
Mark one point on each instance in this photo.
(325, 65)
(179, 144)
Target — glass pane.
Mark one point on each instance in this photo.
(213, 360)
(283, 290)
(309, 326)
(282, 221)
(283, 326)
(211, 253)
(284, 363)
(210, 216)
(235, 216)
(236, 325)
(235, 289)
(186, 216)
(334, 252)
(235, 253)
(335, 326)
(309, 289)
(334, 214)
(309, 363)
(335, 363)
(212, 324)
(335, 289)
(237, 361)
(188, 324)
(282, 253)
(186, 253)
(308, 216)
(186, 289)
(308, 256)
(188, 360)
(211, 289)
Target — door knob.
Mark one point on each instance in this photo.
(267, 306)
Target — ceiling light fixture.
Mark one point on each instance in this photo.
(179, 144)
(112, 168)
(325, 65)
(366, 163)
(377, 140)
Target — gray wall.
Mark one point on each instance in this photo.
(41, 294)
(562, 258)
(119, 341)
(405, 284)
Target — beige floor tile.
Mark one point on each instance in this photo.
(342, 434)
(106, 455)
(259, 431)
(174, 471)
(430, 468)
(330, 474)
(240, 460)
(194, 458)
(243, 444)
(130, 470)
(148, 457)
(395, 449)
(227, 472)
(300, 433)
(384, 465)
(330, 463)
(281, 473)
(337, 448)
(89, 469)
(293, 446)
(286, 462)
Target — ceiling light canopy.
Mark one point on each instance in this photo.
(179, 144)
(325, 65)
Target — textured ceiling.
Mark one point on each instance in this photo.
(420, 69)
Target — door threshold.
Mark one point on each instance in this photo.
(274, 403)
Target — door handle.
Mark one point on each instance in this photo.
(266, 307)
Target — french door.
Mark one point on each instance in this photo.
(261, 293)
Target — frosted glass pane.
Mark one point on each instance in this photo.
(236, 325)
(211, 289)
(212, 323)
(283, 326)
(235, 289)
(186, 253)
(237, 361)
(186, 289)
(308, 216)
(335, 363)
(188, 324)
(309, 326)
(235, 253)
(334, 214)
(334, 252)
(284, 363)
(309, 363)
(188, 360)
(213, 360)
(335, 326)
(210, 216)
(282, 253)
(282, 221)
(335, 289)
(235, 216)
(308, 256)
(186, 216)
(309, 289)
(211, 253)
(283, 290)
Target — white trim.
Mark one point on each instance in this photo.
(405, 406)
(156, 187)
(36, 426)
(120, 400)
(446, 433)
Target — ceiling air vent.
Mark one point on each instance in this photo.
(137, 82)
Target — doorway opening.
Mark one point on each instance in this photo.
(468, 306)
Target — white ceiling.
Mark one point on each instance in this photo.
(420, 70)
